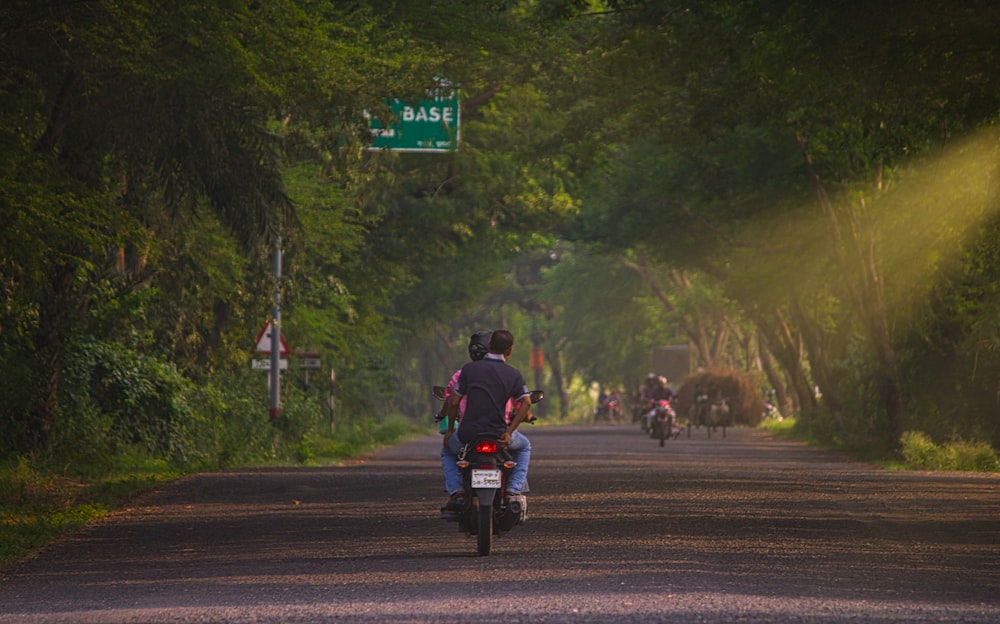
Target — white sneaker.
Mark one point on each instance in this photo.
(518, 504)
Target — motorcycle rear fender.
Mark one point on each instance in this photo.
(486, 496)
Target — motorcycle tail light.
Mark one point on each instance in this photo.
(509, 465)
(463, 464)
(486, 446)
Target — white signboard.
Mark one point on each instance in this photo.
(266, 365)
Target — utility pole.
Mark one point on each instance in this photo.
(276, 335)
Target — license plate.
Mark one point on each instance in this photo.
(485, 478)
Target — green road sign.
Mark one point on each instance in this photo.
(431, 125)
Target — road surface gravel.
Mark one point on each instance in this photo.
(746, 528)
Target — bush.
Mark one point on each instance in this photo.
(920, 452)
(114, 398)
(970, 456)
(358, 436)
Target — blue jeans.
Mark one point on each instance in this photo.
(520, 450)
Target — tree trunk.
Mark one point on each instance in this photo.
(863, 281)
(54, 320)
(555, 365)
(784, 402)
(781, 341)
(819, 363)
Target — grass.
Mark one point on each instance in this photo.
(917, 450)
(39, 501)
(783, 427)
(38, 504)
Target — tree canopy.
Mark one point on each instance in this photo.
(804, 193)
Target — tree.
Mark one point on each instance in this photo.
(121, 131)
(759, 103)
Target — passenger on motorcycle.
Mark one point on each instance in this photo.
(487, 385)
(478, 348)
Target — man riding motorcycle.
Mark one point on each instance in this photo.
(487, 385)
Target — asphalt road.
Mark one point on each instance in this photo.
(742, 529)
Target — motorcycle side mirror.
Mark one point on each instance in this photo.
(537, 395)
(438, 392)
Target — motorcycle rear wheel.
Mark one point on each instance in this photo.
(484, 535)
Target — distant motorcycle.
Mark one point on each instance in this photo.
(486, 466)
(608, 410)
(615, 409)
(664, 422)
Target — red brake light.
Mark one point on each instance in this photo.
(486, 446)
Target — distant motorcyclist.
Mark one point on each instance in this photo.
(601, 410)
(663, 390)
(644, 398)
(660, 390)
(614, 405)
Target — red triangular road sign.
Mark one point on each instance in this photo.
(264, 340)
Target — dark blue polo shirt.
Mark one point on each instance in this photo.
(486, 386)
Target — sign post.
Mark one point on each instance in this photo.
(275, 411)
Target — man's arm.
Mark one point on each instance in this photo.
(523, 412)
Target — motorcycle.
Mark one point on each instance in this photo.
(608, 410)
(614, 408)
(664, 422)
(486, 466)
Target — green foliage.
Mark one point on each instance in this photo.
(631, 174)
(122, 398)
(782, 427)
(605, 315)
(359, 436)
(44, 497)
(920, 452)
(953, 349)
(582, 400)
